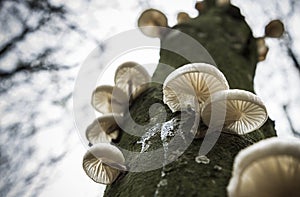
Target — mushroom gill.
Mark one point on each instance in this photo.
(192, 81)
(103, 163)
(269, 168)
(238, 111)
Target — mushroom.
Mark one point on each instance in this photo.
(262, 49)
(132, 78)
(150, 22)
(104, 129)
(200, 6)
(182, 17)
(222, 3)
(109, 99)
(269, 168)
(274, 29)
(192, 81)
(243, 111)
(103, 163)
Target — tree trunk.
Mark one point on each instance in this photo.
(226, 36)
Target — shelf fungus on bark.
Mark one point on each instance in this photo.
(274, 29)
(150, 22)
(262, 49)
(104, 129)
(182, 17)
(109, 99)
(195, 81)
(269, 168)
(103, 163)
(237, 111)
(132, 78)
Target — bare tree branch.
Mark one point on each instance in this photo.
(288, 43)
(43, 6)
(294, 58)
(290, 121)
(41, 64)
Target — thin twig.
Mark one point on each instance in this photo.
(290, 121)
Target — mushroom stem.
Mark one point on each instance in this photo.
(262, 49)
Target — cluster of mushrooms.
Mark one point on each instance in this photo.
(103, 162)
(270, 167)
(203, 88)
(151, 21)
(245, 112)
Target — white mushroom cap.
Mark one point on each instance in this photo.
(269, 168)
(109, 99)
(244, 111)
(195, 80)
(150, 21)
(103, 163)
(274, 29)
(182, 17)
(104, 129)
(132, 78)
(262, 49)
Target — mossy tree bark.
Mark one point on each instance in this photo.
(225, 34)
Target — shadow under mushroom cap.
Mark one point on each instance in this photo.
(109, 99)
(270, 167)
(103, 163)
(132, 78)
(239, 111)
(104, 128)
